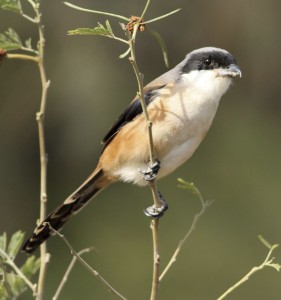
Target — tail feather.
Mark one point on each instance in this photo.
(69, 207)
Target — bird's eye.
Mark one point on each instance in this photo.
(207, 61)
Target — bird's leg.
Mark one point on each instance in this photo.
(157, 212)
(151, 172)
(148, 175)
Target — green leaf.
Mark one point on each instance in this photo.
(10, 40)
(16, 283)
(190, 186)
(31, 266)
(11, 283)
(3, 242)
(15, 244)
(265, 242)
(11, 5)
(99, 30)
(162, 45)
(5, 289)
(3, 292)
(108, 26)
(27, 43)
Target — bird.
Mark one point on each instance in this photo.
(181, 105)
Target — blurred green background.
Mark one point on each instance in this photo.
(238, 164)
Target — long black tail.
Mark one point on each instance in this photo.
(69, 207)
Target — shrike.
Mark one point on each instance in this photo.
(181, 105)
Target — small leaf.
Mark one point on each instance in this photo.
(3, 242)
(16, 283)
(12, 35)
(31, 266)
(3, 292)
(99, 30)
(162, 45)
(190, 186)
(28, 43)
(265, 242)
(10, 40)
(15, 244)
(108, 26)
(11, 5)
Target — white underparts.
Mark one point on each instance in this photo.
(190, 107)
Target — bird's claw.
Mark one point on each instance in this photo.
(157, 212)
(151, 172)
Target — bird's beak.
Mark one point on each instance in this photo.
(231, 71)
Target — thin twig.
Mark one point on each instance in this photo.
(85, 264)
(23, 57)
(268, 262)
(45, 257)
(10, 262)
(27, 17)
(39, 59)
(145, 9)
(32, 3)
(153, 183)
(204, 206)
(68, 270)
(96, 11)
(163, 16)
(149, 124)
(156, 259)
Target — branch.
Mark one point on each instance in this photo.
(68, 270)
(96, 11)
(85, 264)
(204, 206)
(153, 185)
(156, 259)
(268, 262)
(163, 16)
(10, 262)
(23, 57)
(45, 257)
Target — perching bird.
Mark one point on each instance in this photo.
(181, 104)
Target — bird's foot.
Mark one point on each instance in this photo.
(157, 212)
(151, 172)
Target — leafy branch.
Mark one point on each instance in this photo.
(106, 31)
(11, 41)
(100, 30)
(15, 280)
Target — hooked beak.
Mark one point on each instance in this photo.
(231, 71)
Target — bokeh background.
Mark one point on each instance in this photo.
(238, 165)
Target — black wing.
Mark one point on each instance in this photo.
(132, 111)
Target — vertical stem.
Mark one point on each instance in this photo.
(145, 9)
(43, 155)
(156, 259)
(149, 124)
(153, 184)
